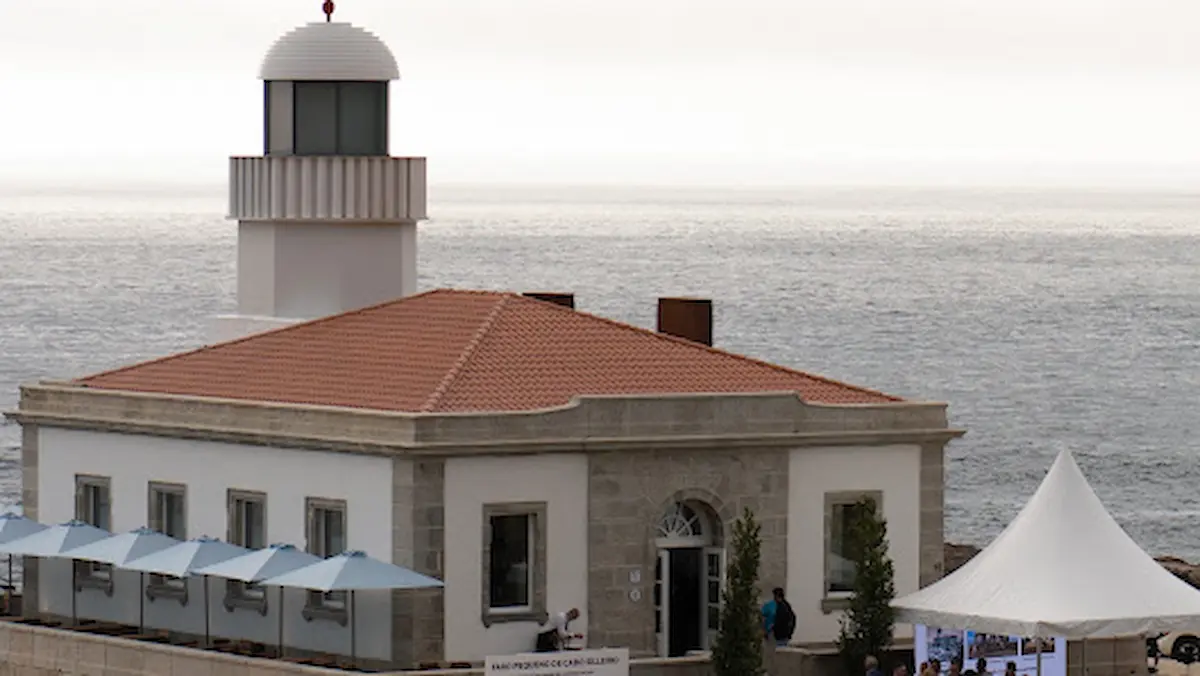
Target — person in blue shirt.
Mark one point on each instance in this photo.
(779, 621)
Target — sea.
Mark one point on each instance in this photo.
(1048, 319)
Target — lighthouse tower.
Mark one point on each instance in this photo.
(327, 219)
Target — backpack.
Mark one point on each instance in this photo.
(785, 621)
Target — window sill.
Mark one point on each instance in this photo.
(234, 602)
(833, 604)
(503, 616)
(331, 613)
(166, 591)
(104, 584)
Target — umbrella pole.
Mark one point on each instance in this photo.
(281, 622)
(141, 603)
(1038, 640)
(74, 595)
(207, 635)
(9, 588)
(353, 659)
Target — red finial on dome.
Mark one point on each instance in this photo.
(328, 8)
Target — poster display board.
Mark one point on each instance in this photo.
(932, 643)
(606, 662)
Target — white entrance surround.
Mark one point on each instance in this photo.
(689, 529)
(560, 480)
(816, 473)
(209, 470)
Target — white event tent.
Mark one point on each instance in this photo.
(1063, 567)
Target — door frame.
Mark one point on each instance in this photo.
(662, 582)
(708, 634)
(684, 526)
(662, 598)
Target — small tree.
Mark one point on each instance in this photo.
(738, 647)
(869, 621)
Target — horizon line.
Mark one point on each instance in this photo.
(200, 188)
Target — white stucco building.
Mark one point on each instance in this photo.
(533, 457)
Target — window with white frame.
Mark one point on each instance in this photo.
(326, 528)
(842, 513)
(247, 528)
(93, 505)
(167, 514)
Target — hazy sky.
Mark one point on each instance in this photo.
(613, 91)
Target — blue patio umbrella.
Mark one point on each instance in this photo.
(14, 525)
(185, 559)
(351, 572)
(53, 543)
(120, 549)
(260, 565)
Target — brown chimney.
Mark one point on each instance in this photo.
(687, 318)
(563, 299)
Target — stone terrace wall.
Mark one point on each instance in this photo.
(27, 650)
(1108, 657)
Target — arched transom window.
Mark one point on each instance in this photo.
(683, 525)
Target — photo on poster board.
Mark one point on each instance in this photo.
(943, 645)
(991, 646)
(1029, 646)
(947, 645)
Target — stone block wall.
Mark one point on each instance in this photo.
(628, 494)
(27, 650)
(418, 543)
(40, 651)
(29, 505)
(827, 662)
(932, 517)
(1108, 657)
(429, 547)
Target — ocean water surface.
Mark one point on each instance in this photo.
(1048, 319)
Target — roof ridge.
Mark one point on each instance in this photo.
(469, 351)
(708, 348)
(256, 334)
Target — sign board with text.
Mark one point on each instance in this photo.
(605, 662)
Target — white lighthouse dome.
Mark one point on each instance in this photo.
(331, 51)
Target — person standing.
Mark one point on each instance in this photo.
(779, 621)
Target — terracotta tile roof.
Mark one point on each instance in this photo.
(454, 351)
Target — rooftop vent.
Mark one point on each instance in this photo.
(687, 318)
(563, 299)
